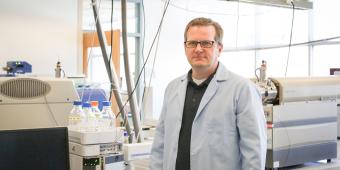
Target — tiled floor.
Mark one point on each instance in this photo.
(320, 165)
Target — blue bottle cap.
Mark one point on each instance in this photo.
(77, 103)
(86, 104)
(106, 103)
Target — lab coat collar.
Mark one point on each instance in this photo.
(222, 74)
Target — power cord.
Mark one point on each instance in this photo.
(290, 42)
(50, 111)
(237, 23)
(290, 38)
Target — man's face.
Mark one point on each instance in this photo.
(201, 57)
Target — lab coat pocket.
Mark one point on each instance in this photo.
(222, 136)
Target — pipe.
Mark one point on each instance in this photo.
(111, 72)
(132, 96)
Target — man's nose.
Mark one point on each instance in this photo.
(198, 47)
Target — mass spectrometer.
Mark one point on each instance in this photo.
(301, 118)
(33, 102)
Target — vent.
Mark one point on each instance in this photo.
(24, 88)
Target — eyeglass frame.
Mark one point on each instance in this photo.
(200, 42)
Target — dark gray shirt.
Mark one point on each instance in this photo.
(193, 98)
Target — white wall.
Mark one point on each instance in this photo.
(41, 32)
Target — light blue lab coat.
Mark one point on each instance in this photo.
(228, 132)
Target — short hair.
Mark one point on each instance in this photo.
(206, 22)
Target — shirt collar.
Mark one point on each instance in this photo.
(206, 82)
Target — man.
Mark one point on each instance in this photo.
(211, 119)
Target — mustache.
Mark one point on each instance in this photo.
(199, 56)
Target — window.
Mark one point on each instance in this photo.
(326, 25)
(97, 71)
(326, 57)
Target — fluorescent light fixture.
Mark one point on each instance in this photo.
(299, 4)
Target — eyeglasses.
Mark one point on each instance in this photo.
(203, 44)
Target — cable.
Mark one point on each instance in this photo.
(50, 111)
(237, 22)
(142, 55)
(111, 30)
(152, 70)
(143, 67)
(290, 38)
(290, 42)
(153, 64)
(148, 56)
(143, 36)
(138, 79)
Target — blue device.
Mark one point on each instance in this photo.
(18, 67)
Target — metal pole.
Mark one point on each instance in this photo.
(111, 71)
(132, 96)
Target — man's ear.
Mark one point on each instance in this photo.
(220, 47)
